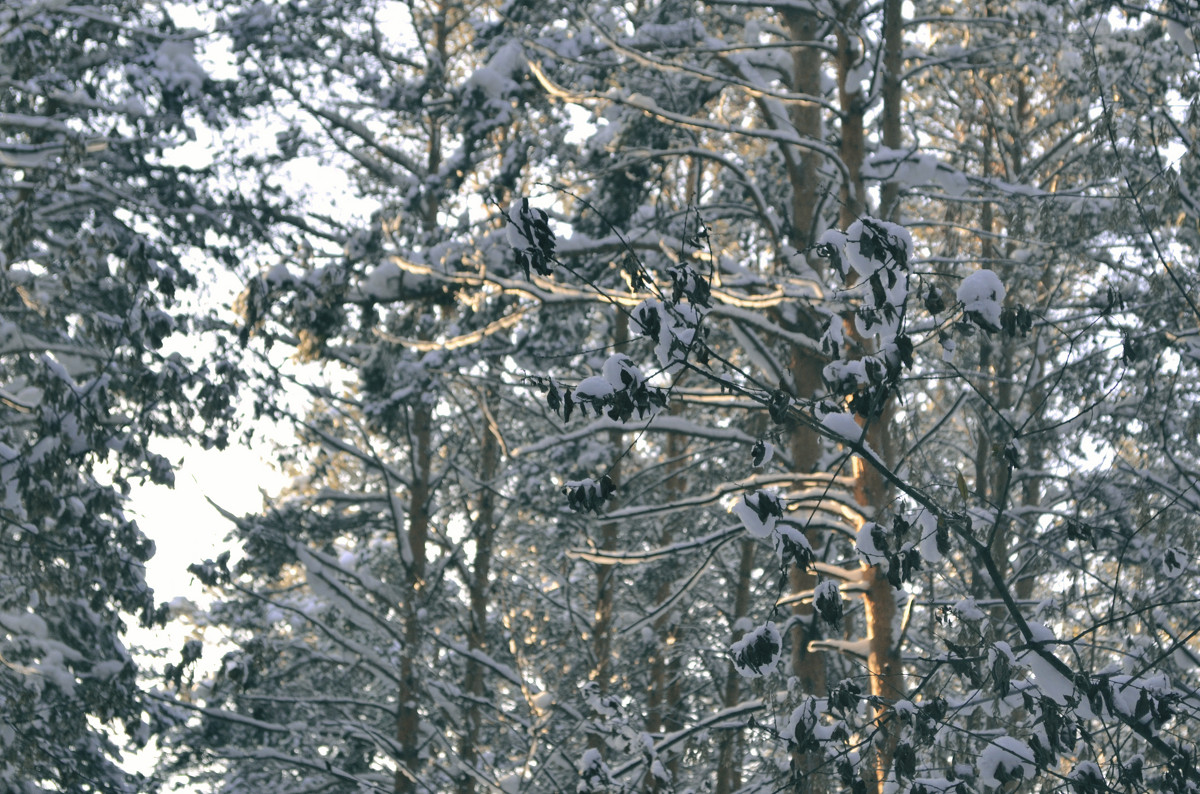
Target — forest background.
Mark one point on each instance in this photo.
(676, 396)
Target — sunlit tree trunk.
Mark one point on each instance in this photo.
(871, 491)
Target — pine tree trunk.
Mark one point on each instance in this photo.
(884, 667)
(729, 769)
(871, 491)
(484, 530)
(408, 734)
(602, 627)
(893, 48)
(806, 118)
(853, 111)
(805, 445)
(663, 701)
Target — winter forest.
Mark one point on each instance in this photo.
(673, 396)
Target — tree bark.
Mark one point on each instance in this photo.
(664, 699)
(853, 108)
(408, 735)
(805, 444)
(729, 772)
(602, 626)
(484, 531)
(806, 118)
(893, 63)
(884, 666)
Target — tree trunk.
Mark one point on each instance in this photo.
(884, 667)
(893, 63)
(408, 735)
(805, 444)
(484, 530)
(853, 110)
(871, 491)
(806, 118)
(602, 627)
(729, 771)
(663, 702)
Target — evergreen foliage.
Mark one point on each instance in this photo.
(687, 396)
(96, 231)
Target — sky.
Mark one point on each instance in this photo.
(183, 525)
(185, 529)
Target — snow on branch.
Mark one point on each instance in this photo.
(757, 653)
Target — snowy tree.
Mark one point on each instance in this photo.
(392, 577)
(95, 230)
(815, 416)
(1036, 174)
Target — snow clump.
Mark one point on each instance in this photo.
(759, 512)
(594, 774)
(757, 654)
(1004, 760)
(981, 294)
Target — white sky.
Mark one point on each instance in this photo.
(187, 529)
(184, 526)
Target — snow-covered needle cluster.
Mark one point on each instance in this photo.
(677, 396)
